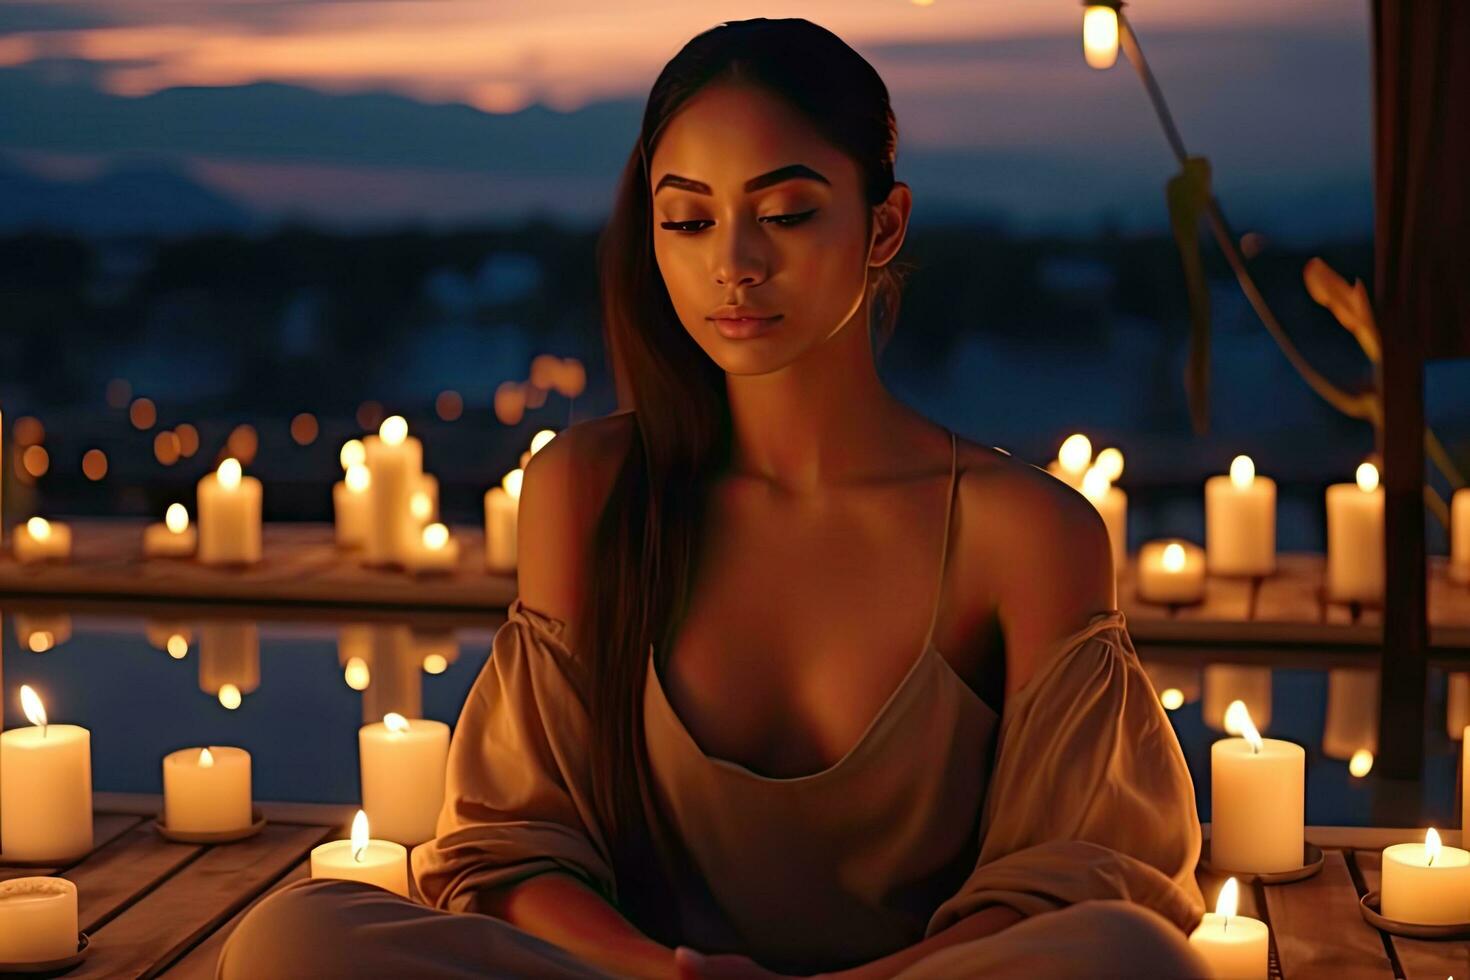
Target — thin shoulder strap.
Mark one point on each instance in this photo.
(944, 548)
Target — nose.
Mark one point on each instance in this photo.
(738, 257)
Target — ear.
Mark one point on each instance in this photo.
(890, 224)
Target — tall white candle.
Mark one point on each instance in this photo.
(502, 512)
(1240, 521)
(174, 538)
(360, 858)
(1112, 505)
(38, 919)
(1427, 884)
(396, 462)
(46, 795)
(1355, 539)
(1257, 800)
(1235, 946)
(352, 506)
(41, 540)
(402, 767)
(1460, 536)
(206, 790)
(1171, 570)
(229, 516)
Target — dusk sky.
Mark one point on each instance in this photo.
(996, 108)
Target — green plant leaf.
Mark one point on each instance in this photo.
(1188, 194)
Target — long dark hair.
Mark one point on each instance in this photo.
(644, 550)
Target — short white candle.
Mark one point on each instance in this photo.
(1460, 536)
(352, 506)
(436, 551)
(1257, 799)
(1240, 521)
(377, 862)
(1112, 505)
(396, 462)
(1171, 570)
(229, 516)
(38, 919)
(1235, 946)
(206, 790)
(174, 538)
(46, 795)
(502, 512)
(1355, 539)
(1427, 884)
(402, 764)
(41, 540)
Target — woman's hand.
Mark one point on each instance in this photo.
(692, 965)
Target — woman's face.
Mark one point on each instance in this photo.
(755, 214)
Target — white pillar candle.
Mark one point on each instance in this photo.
(1460, 536)
(502, 512)
(206, 790)
(1224, 683)
(174, 538)
(1355, 539)
(352, 506)
(229, 516)
(1112, 505)
(46, 795)
(395, 461)
(1171, 570)
(1352, 712)
(1257, 800)
(1235, 946)
(38, 920)
(1427, 884)
(360, 858)
(435, 551)
(41, 540)
(402, 767)
(1240, 521)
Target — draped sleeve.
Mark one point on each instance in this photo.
(1090, 796)
(518, 795)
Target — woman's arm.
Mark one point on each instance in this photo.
(562, 909)
(985, 922)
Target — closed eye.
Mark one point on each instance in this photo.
(696, 225)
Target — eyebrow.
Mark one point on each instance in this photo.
(795, 171)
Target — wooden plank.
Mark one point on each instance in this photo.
(183, 910)
(1319, 930)
(115, 876)
(1419, 959)
(199, 962)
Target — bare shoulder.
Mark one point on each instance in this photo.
(1043, 548)
(565, 488)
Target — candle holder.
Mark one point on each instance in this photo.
(1368, 905)
(84, 946)
(1312, 860)
(257, 824)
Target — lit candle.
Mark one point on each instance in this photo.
(502, 509)
(1352, 714)
(229, 659)
(1355, 538)
(1257, 799)
(1112, 504)
(206, 790)
(437, 551)
(46, 795)
(1240, 521)
(1427, 884)
(1460, 536)
(396, 462)
(352, 506)
(39, 632)
(174, 538)
(1235, 946)
(229, 516)
(1175, 684)
(1171, 571)
(41, 540)
(1073, 459)
(38, 920)
(377, 862)
(403, 775)
(1224, 683)
(423, 503)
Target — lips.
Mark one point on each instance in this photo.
(744, 327)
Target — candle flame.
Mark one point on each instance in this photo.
(1095, 484)
(177, 518)
(206, 759)
(1242, 471)
(1367, 477)
(1229, 900)
(229, 696)
(30, 703)
(1431, 846)
(358, 478)
(1361, 763)
(1110, 463)
(420, 506)
(1171, 698)
(1174, 557)
(356, 674)
(359, 835)
(1100, 36)
(436, 536)
(393, 430)
(177, 646)
(435, 663)
(39, 528)
(229, 473)
(540, 439)
(512, 483)
(41, 641)
(395, 722)
(353, 453)
(1076, 453)
(1238, 722)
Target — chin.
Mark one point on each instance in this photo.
(753, 357)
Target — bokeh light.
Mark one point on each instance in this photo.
(94, 464)
(370, 415)
(242, 443)
(304, 429)
(36, 461)
(188, 439)
(449, 405)
(142, 413)
(510, 402)
(166, 447)
(29, 431)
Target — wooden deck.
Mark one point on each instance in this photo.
(157, 908)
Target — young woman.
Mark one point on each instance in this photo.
(796, 678)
